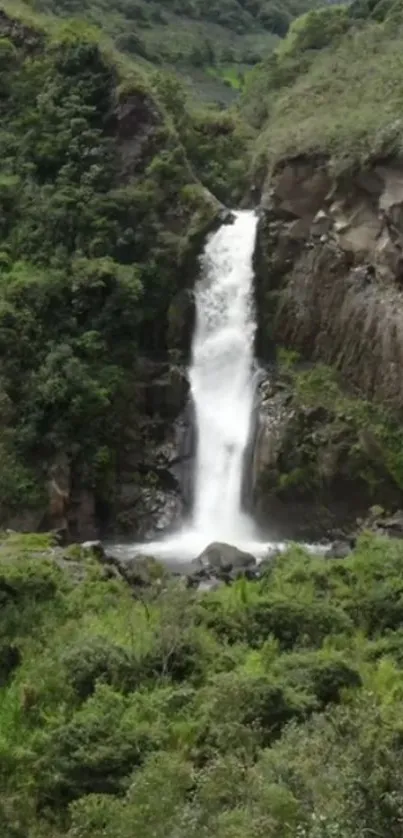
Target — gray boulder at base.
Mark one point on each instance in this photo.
(339, 550)
(223, 557)
(392, 526)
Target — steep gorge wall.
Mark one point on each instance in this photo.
(329, 285)
(330, 271)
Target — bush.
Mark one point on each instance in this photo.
(291, 623)
(98, 660)
(256, 710)
(323, 675)
(94, 752)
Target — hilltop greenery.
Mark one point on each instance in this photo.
(269, 708)
(212, 43)
(334, 86)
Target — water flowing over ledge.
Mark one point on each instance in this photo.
(221, 379)
(222, 385)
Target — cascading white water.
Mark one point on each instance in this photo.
(221, 379)
(222, 387)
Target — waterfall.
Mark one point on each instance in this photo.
(223, 384)
(221, 379)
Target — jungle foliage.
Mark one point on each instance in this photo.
(268, 708)
(102, 214)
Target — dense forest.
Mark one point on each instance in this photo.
(98, 234)
(269, 707)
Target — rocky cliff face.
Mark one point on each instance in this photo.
(329, 266)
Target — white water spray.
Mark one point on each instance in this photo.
(222, 387)
(221, 379)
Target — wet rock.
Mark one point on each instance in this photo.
(181, 318)
(166, 396)
(147, 511)
(82, 517)
(333, 292)
(93, 549)
(309, 464)
(339, 550)
(391, 526)
(224, 559)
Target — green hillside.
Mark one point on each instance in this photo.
(102, 214)
(210, 43)
(333, 86)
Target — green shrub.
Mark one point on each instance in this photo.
(94, 752)
(325, 676)
(98, 660)
(291, 623)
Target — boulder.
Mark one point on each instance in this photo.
(392, 526)
(144, 572)
(220, 558)
(93, 549)
(339, 550)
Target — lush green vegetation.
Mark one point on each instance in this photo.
(269, 708)
(101, 221)
(334, 85)
(336, 436)
(190, 35)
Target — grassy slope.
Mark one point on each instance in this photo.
(258, 711)
(346, 103)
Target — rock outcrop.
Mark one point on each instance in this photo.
(329, 266)
(330, 270)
